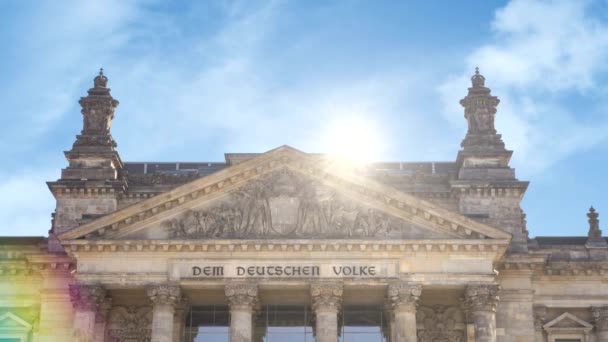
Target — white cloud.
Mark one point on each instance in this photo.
(543, 56)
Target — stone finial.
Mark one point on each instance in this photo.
(480, 110)
(594, 236)
(165, 294)
(326, 297)
(242, 296)
(404, 296)
(481, 297)
(100, 81)
(86, 297)
(600, 317)
(478, 80)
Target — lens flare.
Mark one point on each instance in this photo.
(354, 139)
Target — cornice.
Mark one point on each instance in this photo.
(496, 247)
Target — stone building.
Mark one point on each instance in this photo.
(285, 245)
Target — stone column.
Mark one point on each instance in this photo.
(86, 300)
(480, 303)
(101, 319)
(540, 316)
(403, 298)
(600, 319)
(326, 304)
(242, 299)
(164, 299)
(179, 319)
(390, 318)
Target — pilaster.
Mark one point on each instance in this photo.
(540, 318)
(326, 304)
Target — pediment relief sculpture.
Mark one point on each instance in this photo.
(284, 204)
(440, 323)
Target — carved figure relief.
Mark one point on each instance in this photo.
(285, 204)
(130, 324)
(440, 323)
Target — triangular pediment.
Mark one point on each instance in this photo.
(11, 322)
(284, 193)
(567, 321)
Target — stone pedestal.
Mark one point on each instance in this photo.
(403, 298)
(242, 299)
(326, 304)
(480, 303)
(86, 300)
(164, 299)
(600, 319)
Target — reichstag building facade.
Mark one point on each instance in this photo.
(289, 246)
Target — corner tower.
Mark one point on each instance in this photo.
(486, 187)
(89, 186)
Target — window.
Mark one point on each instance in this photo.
(279, 323)
(209, 323)
(363, 324)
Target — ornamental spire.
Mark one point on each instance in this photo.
(594, 236)
(95, 143)
(480, 110)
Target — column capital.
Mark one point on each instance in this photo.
(600, 317)
(481, 297)
(403, 296)
(164, 294)
(326, 296)
(242, 296)
(86, 297)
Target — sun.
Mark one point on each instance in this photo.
(354, 139)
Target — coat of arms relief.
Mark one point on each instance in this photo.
(285, 204)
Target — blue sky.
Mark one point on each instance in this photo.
(197, 79)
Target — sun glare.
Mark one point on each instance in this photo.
(353, 139)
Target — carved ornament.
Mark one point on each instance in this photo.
(165, 294)
(404, 296)
(600, 317)
(242, 296)
(482, 297)
(326, 297)
(130, 323)
(86, 297)
(284, 204)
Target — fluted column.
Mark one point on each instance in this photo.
(480, 302)
(540, 316)
(600, 319)
(403, 298)
(85, 300)
(164, 299)
(242, 299)
(326, 304)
